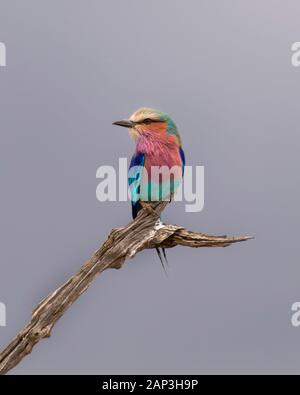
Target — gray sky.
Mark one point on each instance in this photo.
(223, 71)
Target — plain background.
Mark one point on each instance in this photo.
(223, 71)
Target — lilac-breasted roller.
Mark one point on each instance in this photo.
(157, 166)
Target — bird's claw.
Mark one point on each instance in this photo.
(158, 224)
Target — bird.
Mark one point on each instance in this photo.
(157, 166)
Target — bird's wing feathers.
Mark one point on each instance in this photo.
(182, 156)
(134, 180)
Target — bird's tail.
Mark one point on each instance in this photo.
(163, 260)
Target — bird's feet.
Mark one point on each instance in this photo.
(158, 224)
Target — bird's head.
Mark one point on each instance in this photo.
(148, 122)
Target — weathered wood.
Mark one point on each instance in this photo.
(121, 244)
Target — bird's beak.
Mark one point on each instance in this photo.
(126, 123)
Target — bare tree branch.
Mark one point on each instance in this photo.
(122, 243)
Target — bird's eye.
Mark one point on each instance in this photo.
(147, 120)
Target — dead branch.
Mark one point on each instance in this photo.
(121, 244)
